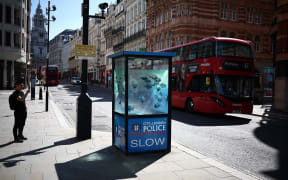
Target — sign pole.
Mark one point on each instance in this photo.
(84, 103)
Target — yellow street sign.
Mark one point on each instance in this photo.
(85, 52)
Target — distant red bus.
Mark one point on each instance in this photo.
(51, 77)
(213, 75)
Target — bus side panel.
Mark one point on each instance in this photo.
(176, 100)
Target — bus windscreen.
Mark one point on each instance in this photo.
(231, 49)
(234, 86)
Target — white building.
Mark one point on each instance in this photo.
(135, 25)
(107, 28)
(118, 31)
(39, 37)
(94, 39)
(75, 64)
(66, 54)
(56, 47)
(14, 40)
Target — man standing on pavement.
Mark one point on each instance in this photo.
(20, 112)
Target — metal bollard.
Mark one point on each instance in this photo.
(40, 94)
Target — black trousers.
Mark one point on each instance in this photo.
(20, 119)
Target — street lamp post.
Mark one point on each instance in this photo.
(84, 103)
(47, 62)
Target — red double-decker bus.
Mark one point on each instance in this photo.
(51, 77)
(213, 75)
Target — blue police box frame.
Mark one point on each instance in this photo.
(151, 55)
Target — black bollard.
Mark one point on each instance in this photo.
(40, 94)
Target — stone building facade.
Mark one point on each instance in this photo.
(14, 41)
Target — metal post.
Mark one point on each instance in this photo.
(84, 103)
(47, 62)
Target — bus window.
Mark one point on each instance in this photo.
(194, 84)
(174, 84)
(198, 83)
(206, 49)
(178, 55)
(193, 53)
(229, 49)
(184, 52)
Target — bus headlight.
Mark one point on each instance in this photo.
(218, 101)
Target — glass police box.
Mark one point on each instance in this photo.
(141, 105)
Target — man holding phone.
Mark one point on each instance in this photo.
(20, 112)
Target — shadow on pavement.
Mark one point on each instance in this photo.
(274, 133)
(199, 119)
(108, 163)
(104, 94)
(6, 144)
(10, 161)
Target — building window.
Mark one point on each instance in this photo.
(40, 51)
(171, 13)
(258, 17)
(249, 37)
(182, 9)
(23, 15)
(223, 10)
(257, 44)
(23, 40)
(17, 16)
(156, 43)
(139, 26)
(17, 40)
(8, 14)
(167, 16)
(1, 12)
(161, 18)
(151, 22)
(189, 11)
(223, 34)
(232, 35)
(233, 13)
(157, 22)
(188, 39)
(181, 39)
(166, 40)
(160, 41)
(0, 37)
(7, 38)
(135, 10)
(139, 7)
(250, 15)
(135, 29)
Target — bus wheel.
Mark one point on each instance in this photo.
(189, 105)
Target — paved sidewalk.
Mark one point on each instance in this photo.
(53, 152)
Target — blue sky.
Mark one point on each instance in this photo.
(68, 13)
